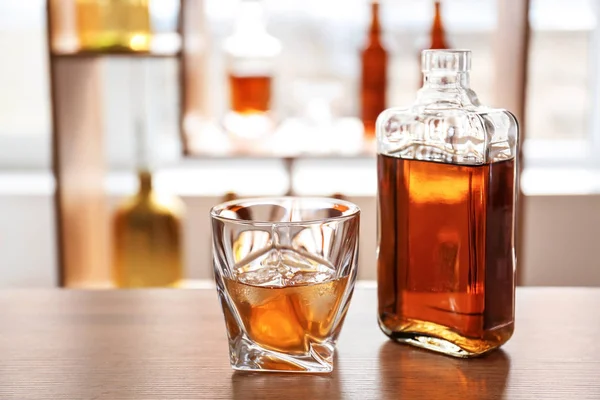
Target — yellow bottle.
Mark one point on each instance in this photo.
(147, 249)
(147, 227)
(113, 25)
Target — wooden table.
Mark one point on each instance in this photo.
(171, 344)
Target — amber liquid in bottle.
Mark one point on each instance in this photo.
(374, 60)
(250, 94)
(113, 25)
(445, 264)
(147, 249)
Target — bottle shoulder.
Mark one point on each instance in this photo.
(445, 131)
(444, 109)
(160, 206)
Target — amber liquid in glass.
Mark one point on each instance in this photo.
(445, 263)
(250, 94)
(147, 249)
(373, 75)
(284, 318)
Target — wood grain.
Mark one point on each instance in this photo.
(171, 344)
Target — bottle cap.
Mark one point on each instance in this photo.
(446, 60)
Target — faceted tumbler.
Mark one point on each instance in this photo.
(285, 270)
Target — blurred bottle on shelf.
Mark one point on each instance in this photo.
(113, 25)
(229, 196)
(339, 196)
(251, 54)
(437, 34)
(147, 229)
(374, 59)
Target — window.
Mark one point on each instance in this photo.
(562, 85)
(24, 98)
(321, 41)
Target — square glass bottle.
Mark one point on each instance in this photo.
(447, 191)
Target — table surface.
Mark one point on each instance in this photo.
(171, 344)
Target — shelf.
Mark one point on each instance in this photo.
(164, 45)
(64, 42)
(294, 138)
(83, 233)
(121, 54)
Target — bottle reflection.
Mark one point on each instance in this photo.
(248, 386)
(406, 372)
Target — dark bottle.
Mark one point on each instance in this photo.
(437, 33)
(374, 59)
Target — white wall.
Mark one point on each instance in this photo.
(27, 249)
(562, 237)
(562, 240)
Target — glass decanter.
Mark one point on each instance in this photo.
(251, 54)
(447, 191)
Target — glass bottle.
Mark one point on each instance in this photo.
(447, 188)
(147, 229)
(251, 54)
(113, 25)
(374, 61)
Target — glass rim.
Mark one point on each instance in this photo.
(352, 210)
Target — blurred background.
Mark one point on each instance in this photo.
(205, 100)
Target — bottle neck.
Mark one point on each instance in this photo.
(250, 18)
(446, 79)
(438, 35)
(145, 181)
(447, 87)
(375, 26)
(143, 159)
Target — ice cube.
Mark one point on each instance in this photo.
(307, 277)
(284, 267)
(265, 276)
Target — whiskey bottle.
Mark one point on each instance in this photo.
(147, 230)
(447, 190)
(374, 59)
(113, 25)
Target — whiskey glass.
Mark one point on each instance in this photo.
(285, 270)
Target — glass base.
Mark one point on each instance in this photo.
(245, 355)
(441, 339)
